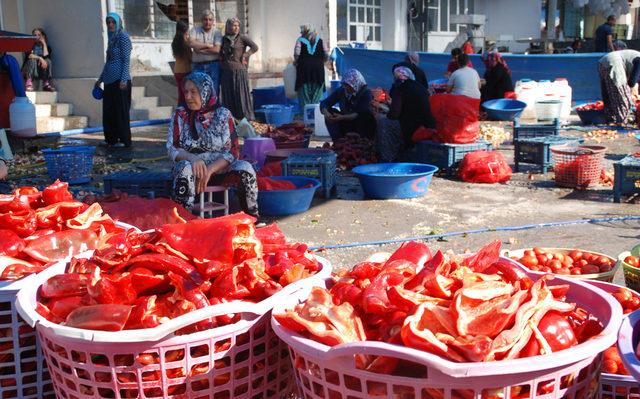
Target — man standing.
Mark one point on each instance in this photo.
(207, 59)
(604, 35)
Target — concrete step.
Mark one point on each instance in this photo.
(42, 97)
(151, 113)
(59, 123)
(56, 109)
(144, 102)
(138, 91)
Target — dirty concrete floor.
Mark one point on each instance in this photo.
(450, 206)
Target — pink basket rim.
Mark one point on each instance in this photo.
(628, 337)
(26, 304)
(570, 150)
(532, 364)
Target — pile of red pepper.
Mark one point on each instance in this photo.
(296, 131)
(598, 105)
(474, 309)
(38, 228)
(353, 150)
(139, 280)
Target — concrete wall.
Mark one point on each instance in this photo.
(76, 31)
(394, 25)
(78, 93)
(518, 18)
(275, 25)
(151, 56)
(11, 20)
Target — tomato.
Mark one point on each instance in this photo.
(576, 270)
(555, 264)
(558, 256)
(529, 261)
(634, 303)
(576, 254)
(602, 260)
(590, 269)
(609, 366)
(564, 271)
(582, 263)
(631, 261)
(555, 328)
(567, 261)
(538, 251)
(605, 268)
(529, 253)
(546, 269)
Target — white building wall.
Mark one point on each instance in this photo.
(394, 25)
(518, 18)
(151, 57)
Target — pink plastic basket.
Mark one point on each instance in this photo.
(615, 386)
(329, 372)
(628, 340)
(242, 360)
(23, 371)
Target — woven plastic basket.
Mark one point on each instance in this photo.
(241, 360)
(70, 164)
(631, 274)
(615, 386)
(628, 340)
(577, 167)
(606, 276)
(23, 372)
(329, 372)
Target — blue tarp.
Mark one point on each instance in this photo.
(580, 69)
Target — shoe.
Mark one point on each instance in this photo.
(260, 224)
(28, 86)
(46, 86)
(119, 145)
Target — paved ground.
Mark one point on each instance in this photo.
(450, 206)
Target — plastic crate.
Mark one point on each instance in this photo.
(70, 164)
(318, 166)
(627, 177)
(536, 150)
(143, 184)
(531, 131)
(445, 156)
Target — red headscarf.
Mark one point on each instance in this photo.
(494, 58)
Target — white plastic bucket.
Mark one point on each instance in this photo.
(320, 127)
(22, 117)
(564, 92)
(289, 77)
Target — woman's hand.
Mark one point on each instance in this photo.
(42, 62)
(97, 84)
(123, 85)
(200, 173)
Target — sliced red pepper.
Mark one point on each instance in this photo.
(64, 285)
(22, 222)
(365, 270)
(61, 307)
(434, 265)
(58, 213)
(374, 297)
(414, 252)
(231, 233)
(93, 214)
(407, 300)
(271, 235)
(59, 245)
(147, 282)
(10, 243)
(105, 317)
(113, 289)
(164, 263)
(485, 257)
(343, 291)
(15, 269)
(142, 315)
(57, 192)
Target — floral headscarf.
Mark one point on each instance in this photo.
(354, 79)
(413, 58)
(209, 100)
(112, 35)
(494, 58)
(403, 73)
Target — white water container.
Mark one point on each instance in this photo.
(564, 92)
(22, 117)
(320, 127)
(527, 91)
(289, 77)
(309, 115)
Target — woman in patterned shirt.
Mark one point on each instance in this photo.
(204, 148)
(116, 100)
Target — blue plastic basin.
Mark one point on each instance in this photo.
(287, 202)
(592, 117)
(268, 95)
(504, 109)
(277, 114)
(638, 136)
(438, 85)
(395, 180)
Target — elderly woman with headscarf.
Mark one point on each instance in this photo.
(410, 107)
(619, 73)
(116, 100)
(411, 61)
(234, 79)
(355, 113)
(497, 77)
(309, 56)
(202, 145)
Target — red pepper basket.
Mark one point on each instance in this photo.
(616, 386)
(329, 372)
(23, 371)
(241, 360)
(577, 167)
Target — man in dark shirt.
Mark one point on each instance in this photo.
(604, 35)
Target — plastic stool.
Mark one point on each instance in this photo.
(206, 208)
(256, 148)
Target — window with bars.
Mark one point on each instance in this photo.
(439, 12)
(359, 21)
(143, 18)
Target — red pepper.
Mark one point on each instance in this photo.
(56, 214)
(57, 192)
(105, 317)
(147, 282)
(113, 289)
(10, 243)
(143, 314)
(61, 307)
(374, 297)
(14, 269)
(22, 222)
(412, 251)
(485, 257)
(59, 245)
(64, 285)
(164, 263)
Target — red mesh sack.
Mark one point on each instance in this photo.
(267, 184)
(423, 133)
(145, 213)
(485, 167)
(456, 118)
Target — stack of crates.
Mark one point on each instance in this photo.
(321, 166)
(143, 184)
(627, 177)
(445, 156)
(537, 151)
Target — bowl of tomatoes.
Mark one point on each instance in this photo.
(630, 261)
(592, 113)
(576, 263)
